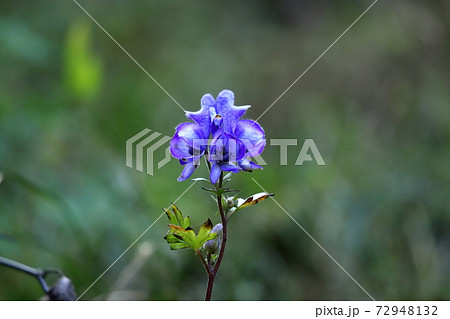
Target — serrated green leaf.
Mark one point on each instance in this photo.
(175, 217)
(178, 215)
(209, 237)
(170, 238)
(177, 230)
(175, 242)
(204, 234)
(186, 222)
(187, 235)
(180, 245)
(180, 235)
(170, 216)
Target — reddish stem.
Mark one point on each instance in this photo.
(212, 273)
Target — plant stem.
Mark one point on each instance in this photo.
(208, 163)
(39, 274)
(213, 272)
(207, 268)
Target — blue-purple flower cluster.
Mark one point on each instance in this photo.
(233, 141)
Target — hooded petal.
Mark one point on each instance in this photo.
(217, 168)
(230, 167)
(252, 135)
(236, 149)
(187, 171)
(216, 123)
(225, 148)
(215, 172)
(203, 117)
(187, 136)
(179, 148)
(248, 165)
(229, 112)
(189, 131)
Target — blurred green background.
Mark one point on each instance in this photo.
(376, 105)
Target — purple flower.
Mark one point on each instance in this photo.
(185, 147)
(224, 150)
(234, 140)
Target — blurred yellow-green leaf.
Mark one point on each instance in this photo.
(82, 67)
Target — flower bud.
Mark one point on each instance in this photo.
(212, 246)
(63, 290)
(230, 202)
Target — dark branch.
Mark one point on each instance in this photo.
(62, 290)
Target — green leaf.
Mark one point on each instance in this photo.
(83, 70)
(186, 235)
(227, 178)
(204, 234)
(176, 217)
(228, 175)
(205, 228)
(170, 238)
(170, 216)
(200, 179)
(220, 191)
(208, 190)
(209, 237)
(180, 235)
(180, 245)
(183, 222)
(174, 242)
